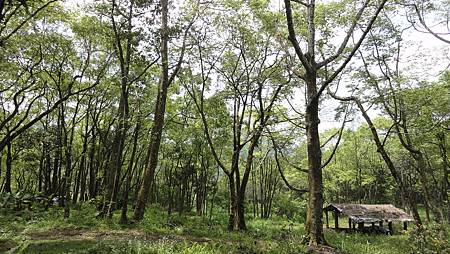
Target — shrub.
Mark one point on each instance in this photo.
(433, 239)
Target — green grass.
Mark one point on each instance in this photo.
(373, 244)
(160, 233)
(59, 246)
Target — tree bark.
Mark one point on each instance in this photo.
(115, 162)
(123, 217)
(7, 188)
(315, 204)
(445, 168)
(68, 144)
(160, 109)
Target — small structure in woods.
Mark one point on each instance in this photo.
(361, 213)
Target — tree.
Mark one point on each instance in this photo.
(15, 15)
(316, 83)
(417, 12)
(165, 81)
(48, 76)
(397, 95)
(123, 16)
(253, 80)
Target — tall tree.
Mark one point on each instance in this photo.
(249, 69)
(316, 82)
(165, 81)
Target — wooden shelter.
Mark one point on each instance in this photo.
(362, 213)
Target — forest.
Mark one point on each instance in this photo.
(225, 126)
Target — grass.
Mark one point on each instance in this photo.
(373, 244)
(48, 232)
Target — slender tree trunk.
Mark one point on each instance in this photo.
(115, 162)
(123, 216)
(445, 168)
(160, 109)
(7, 187)
(407, 193)
(68, 144)
(241, 225)
(48, 162)
(81, 181)
(41, 175)
(114, 165)
(431, 203)
(254, 193)
(232, 219)
(92, 164)
(67, 165)
(76, 188)
(56, 190)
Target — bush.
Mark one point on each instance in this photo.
(20, 201)
(433, 239)
(290, 208)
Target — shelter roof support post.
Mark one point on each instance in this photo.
(391, 229)
(336, 219)
(360, 225)
(326, 216)
(349, 223)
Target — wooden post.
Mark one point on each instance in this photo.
(349, 223)
(354, 225)
(405, 225)
(381, 223)
(391, 229)
(326, 216)
(360, 225)
(336, 219)
(373, 225)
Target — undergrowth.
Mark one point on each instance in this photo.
(176, 233)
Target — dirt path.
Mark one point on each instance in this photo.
(138, 235)
(130, 234)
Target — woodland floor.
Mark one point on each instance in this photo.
(48, 232)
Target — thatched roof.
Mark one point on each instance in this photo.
(370, 213)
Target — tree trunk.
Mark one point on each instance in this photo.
(445, 168)
(82, 169)
(233, 219)
(41, 169)
(123, 217)
(76, 188)
(315, 204)
(160, 109)
(115, 162)
(431, 202)
(68, 143)
(92, 164)
(48, 162)
(7, 188)
(56, 190)
(407, 193)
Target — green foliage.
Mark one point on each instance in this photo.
(16, 202)
(357, 172)
(286, 205)
(432, 239)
